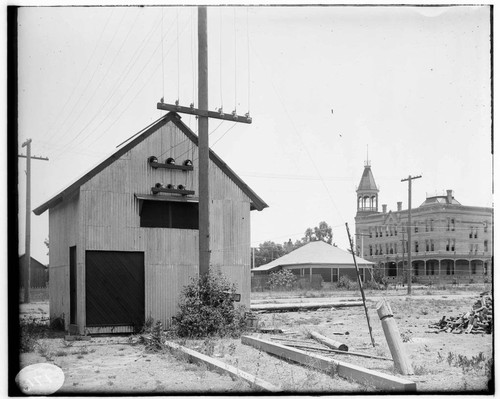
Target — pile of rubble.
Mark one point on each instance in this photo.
(477, 321)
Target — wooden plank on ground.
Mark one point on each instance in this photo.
(328, 341)
(302, 305)
(223, 368)
(332, 366)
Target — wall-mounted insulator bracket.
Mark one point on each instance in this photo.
(156, 190)
(153, 162)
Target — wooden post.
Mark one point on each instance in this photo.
(393, 338)
(203, 147)
(410, 267)
(360, 284)
(27, 252)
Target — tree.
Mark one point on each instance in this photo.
(46, 242)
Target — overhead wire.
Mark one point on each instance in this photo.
(51, 131)
(248, 62)
(147, 63)
(99, 111)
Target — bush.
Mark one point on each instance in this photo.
(31, 331)
(206, 308)
(282, 279)
(346, 283)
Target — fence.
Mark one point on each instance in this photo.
(314, 282)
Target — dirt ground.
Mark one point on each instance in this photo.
(113, 365)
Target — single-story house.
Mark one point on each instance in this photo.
(124, 236)
(319, 257)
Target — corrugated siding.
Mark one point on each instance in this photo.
(63, 227)
(110, 221)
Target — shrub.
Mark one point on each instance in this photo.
(31, 331)
(206, 308)
(346, 283)
(282, 279)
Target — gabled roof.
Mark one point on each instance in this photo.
(315, 253)
(367, 182)
(255, 201)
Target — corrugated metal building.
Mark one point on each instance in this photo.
(120, 251)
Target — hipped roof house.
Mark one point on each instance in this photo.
(318, 257)
(124, 236)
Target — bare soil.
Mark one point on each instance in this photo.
(113, 365)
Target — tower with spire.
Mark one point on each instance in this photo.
(367, 192)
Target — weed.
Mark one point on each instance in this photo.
(406, 336)
(31, 330)
(152, 336)
(45, 352)
(60, 353)
(420, 369)
(475, 363)
(232, 349)
(208, 347)
(440, 357)
(67, 344)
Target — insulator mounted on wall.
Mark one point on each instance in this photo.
(188, 162)
(170, 186)
(152, 159)
(158, 185)
(170, 161)
(181, 187)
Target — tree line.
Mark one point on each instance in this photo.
(270, 250)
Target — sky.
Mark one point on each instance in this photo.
(407, 88)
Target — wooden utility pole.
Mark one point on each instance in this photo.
(360, 284)
(203, 114)
(410, 271)
(203, 146)
(27, 252)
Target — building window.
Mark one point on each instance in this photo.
(471, 232)
(485, 245)
(387, 231)
(453, 246)
(452, 224)
(486, 226)
(475, 233)
(426, 226)
(476, 248)
(448, 226)
(473, 268)
(432, 225)
(450, 268)
(427, 245)
(432, 245)
(448, 245)
(169, 214)
(416, 246)
(370, 232)
(416, 227)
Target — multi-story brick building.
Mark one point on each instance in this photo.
(449, 241)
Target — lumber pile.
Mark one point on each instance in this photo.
(479, 320)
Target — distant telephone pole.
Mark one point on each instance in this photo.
(409, 179)
(27, 252)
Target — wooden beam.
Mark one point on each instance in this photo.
(298, 345)
(301, 305)
(156, 190)
(328, 341)
(223, 368)
(393, 337)
(201, 112)
(332, 366)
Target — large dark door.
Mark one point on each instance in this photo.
(114, 288)
(72, 285)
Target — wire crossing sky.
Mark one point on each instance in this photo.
(412, 83)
